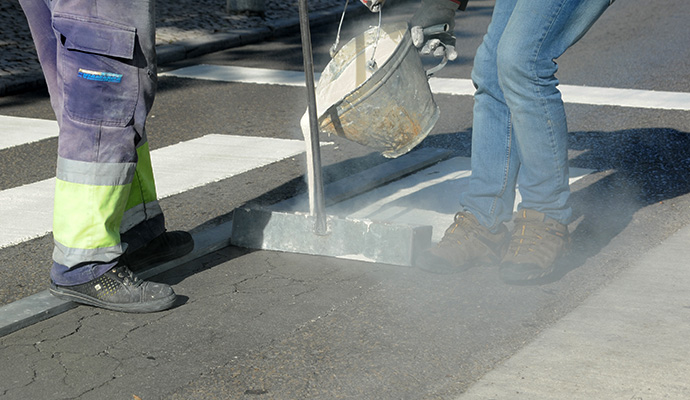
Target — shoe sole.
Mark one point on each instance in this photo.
(147, 307)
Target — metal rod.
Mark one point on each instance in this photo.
(316, 192)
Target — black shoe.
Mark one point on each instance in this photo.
(164, 248)
(119, 290)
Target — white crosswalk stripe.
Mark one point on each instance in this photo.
(26, 211)
(15, 131)
(457, 87)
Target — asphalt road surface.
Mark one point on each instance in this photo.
(260, 324)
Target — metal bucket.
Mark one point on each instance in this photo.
(389, 108)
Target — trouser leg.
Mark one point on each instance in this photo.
(495, 165)
(100, 66)
(526, 67)
(520, 131)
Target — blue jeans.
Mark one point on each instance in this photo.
(519, 134)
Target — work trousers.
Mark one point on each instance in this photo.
(519, 133)
(99, 62)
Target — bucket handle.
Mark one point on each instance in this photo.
(418, 35)
(432, 71)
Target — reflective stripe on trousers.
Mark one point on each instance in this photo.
(95, 202)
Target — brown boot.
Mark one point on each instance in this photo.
(535, 245)
(466, 243)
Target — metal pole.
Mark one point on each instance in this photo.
(316, 193)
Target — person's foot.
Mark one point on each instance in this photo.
(535, 245)
(166, 247)
(466, 243)
(119, 290)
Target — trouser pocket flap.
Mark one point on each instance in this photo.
(95, 36)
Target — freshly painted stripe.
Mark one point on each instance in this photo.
(215, 157)
(586, 95)
(15, 131)
(457, 87)
(399, 201)
(27, 211)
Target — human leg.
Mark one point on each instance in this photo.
(491, 192)
(478, 234)
(526, 69)
(106, 73)
(537, 33)
(101, 77)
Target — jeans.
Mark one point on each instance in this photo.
(520, 135)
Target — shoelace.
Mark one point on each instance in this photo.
(526, 235)
(463, 228)
(127, 276)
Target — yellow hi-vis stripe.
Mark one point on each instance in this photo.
(143, 185)
(88, 216)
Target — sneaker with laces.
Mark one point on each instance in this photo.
(466, 243)
(535, 245)
(166, 247)
(119, 290)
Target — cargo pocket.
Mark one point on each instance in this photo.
(100, 81)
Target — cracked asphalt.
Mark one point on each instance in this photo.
(271, 325)
(77, 358)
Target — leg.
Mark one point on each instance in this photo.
(495, 165)
(526, 72)
(538, 32)
(99, 63)
(106, 73)
(478, 235)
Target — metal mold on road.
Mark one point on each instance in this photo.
(356, 239)
(286, 226)
(315, 232)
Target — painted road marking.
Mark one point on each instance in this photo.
(15, 131)
(261, 76)
(421, 198)
(27, 211)
(457, 87)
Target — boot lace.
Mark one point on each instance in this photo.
(126, 276)
(461, 230)
(526, 237)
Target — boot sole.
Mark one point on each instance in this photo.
(64, 293)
